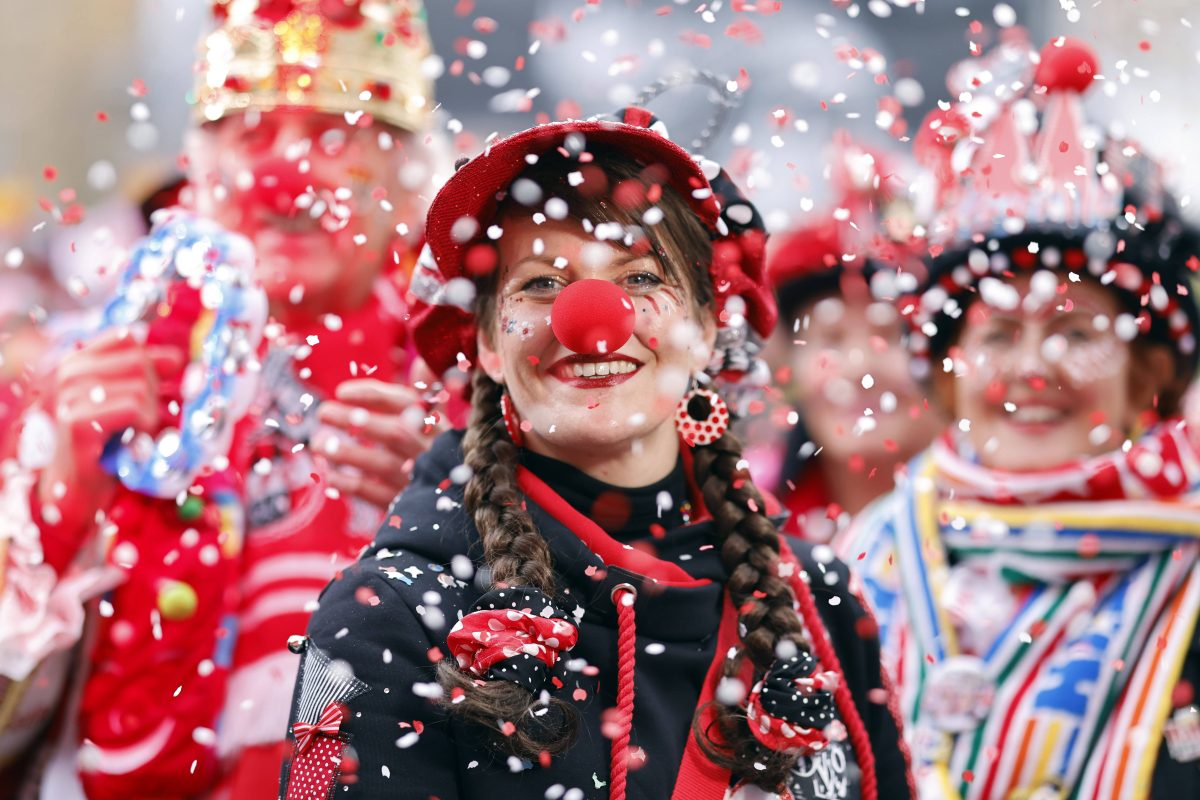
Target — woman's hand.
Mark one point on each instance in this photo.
(389, 416)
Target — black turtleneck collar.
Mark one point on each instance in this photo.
(626, 514)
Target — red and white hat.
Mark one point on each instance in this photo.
(864, 244)
(443, 283)
(1017, 180)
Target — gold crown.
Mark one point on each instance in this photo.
(336, 56)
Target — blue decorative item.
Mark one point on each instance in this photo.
(187, 255)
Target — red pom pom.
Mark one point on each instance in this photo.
(480, 260)
(1066, 67)
(592, 317)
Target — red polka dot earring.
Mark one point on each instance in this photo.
(511, 423)
(701, 417)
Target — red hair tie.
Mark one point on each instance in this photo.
(513, 634)
(792, 707)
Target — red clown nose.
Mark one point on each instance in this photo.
(592, 317)
(277, 184)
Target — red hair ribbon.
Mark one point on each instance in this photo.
(788, 732)
(484, 638)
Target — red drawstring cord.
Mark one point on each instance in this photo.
(623, 597)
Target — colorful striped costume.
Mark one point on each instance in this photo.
(1037, 623)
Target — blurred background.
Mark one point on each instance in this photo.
(95, 95)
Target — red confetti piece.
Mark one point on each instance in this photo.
(579, 695)
(745, 31)
(73, 214)
(568, 109)
(1183, 694)
(695, 39)
(102, 116)
(968, 775)
(366, 597)
(49, 173)
(138, 88)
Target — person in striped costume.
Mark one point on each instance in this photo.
(1034, 573)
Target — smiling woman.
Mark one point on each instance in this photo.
(623, 619)
(1045, 377)
(1035, 575)
(622, 439)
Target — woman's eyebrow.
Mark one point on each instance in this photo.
(545, 258)
(542, 259)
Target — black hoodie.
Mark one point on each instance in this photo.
(383, 622)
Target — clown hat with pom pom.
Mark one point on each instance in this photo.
(1016, 180)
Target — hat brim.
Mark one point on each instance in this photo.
(476, 189)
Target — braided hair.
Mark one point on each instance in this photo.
(535, 726)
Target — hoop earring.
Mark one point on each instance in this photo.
(701, 417)
(511, 423)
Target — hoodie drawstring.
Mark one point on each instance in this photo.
(623, 597)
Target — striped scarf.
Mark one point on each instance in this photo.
(1036, 622)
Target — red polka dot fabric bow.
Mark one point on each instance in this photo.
(330, 724)
(514, 634)
(792, 707)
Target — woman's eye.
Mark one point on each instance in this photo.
(644, 280)
(996, 336)
(1077, 335)
(827, 338)
(541, 285)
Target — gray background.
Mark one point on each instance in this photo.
(62, 61)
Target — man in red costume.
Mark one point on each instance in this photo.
(308, 143)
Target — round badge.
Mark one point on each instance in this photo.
(958, 694)
(980, 603)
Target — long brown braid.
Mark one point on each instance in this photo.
(517, 554)
(749, 545)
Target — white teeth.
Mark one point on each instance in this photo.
(602, 369)
(1037, 414)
